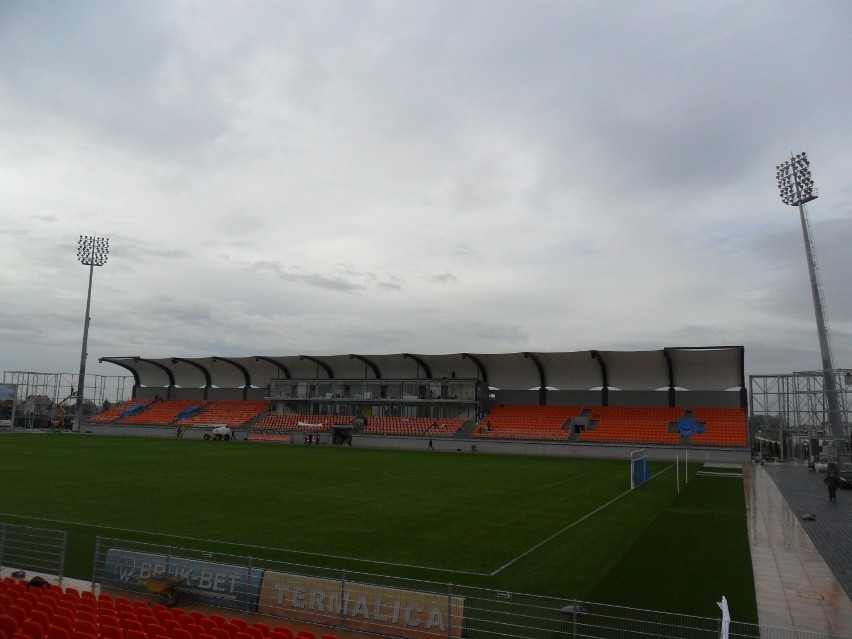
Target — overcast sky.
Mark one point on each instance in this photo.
(317, 177)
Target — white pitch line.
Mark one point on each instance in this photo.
(240, 545)
(353, 559)
(568, 527)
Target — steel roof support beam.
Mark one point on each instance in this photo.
(670, 367)
(319, 363)
(281, 368)
(604, 378)
(136, 380)
(376, 372)
(542, 390)
(240, 368)
(479, 365)
(168, 371)
(204, 371)
(420, 363)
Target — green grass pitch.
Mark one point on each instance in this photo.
(552, 526)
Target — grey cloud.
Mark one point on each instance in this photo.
(465, 252)
(128, 253)
(787, 289)
(501, 335)
(311, 279)
(570, 175)
(389, 286)
(346, 279)
(240, 244)
(114, 70)
(444, 278)
(321, 281)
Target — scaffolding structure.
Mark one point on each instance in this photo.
(57, 387)
(791, 415)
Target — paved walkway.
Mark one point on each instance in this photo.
(796, 586)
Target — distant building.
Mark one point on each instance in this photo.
(38, 405)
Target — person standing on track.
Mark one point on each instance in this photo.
(832, 480)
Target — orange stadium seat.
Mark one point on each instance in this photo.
(111, 415)
(231, 413)
(722, 427)
(161, 412)
(301, 422)
(413, 426)
(527, 422)
(638, 425)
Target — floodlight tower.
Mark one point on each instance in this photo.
(92, 252)
(797, 188)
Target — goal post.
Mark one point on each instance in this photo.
(639, 471)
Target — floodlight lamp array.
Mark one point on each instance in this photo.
(794, 180)
(93, 251)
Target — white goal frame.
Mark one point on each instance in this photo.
(637, 458)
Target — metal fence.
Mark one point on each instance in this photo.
(393, 606)
(36, 549)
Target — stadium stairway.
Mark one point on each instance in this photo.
(465, 431)
(247, 428)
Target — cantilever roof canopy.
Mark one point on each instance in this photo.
(709, 368)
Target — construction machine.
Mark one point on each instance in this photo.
(63, 420)
(222, 432)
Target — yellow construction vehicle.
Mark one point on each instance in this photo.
(63, 420)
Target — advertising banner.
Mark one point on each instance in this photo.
(204, 582)
(409, 614)
(8, 393)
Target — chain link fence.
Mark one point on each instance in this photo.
(36, 549)
(349, 600)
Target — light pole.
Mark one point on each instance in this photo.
(797, 188)
(92, 252)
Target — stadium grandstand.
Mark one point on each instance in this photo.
(573, 404)
(666, 398)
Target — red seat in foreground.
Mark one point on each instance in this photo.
(81, 615)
